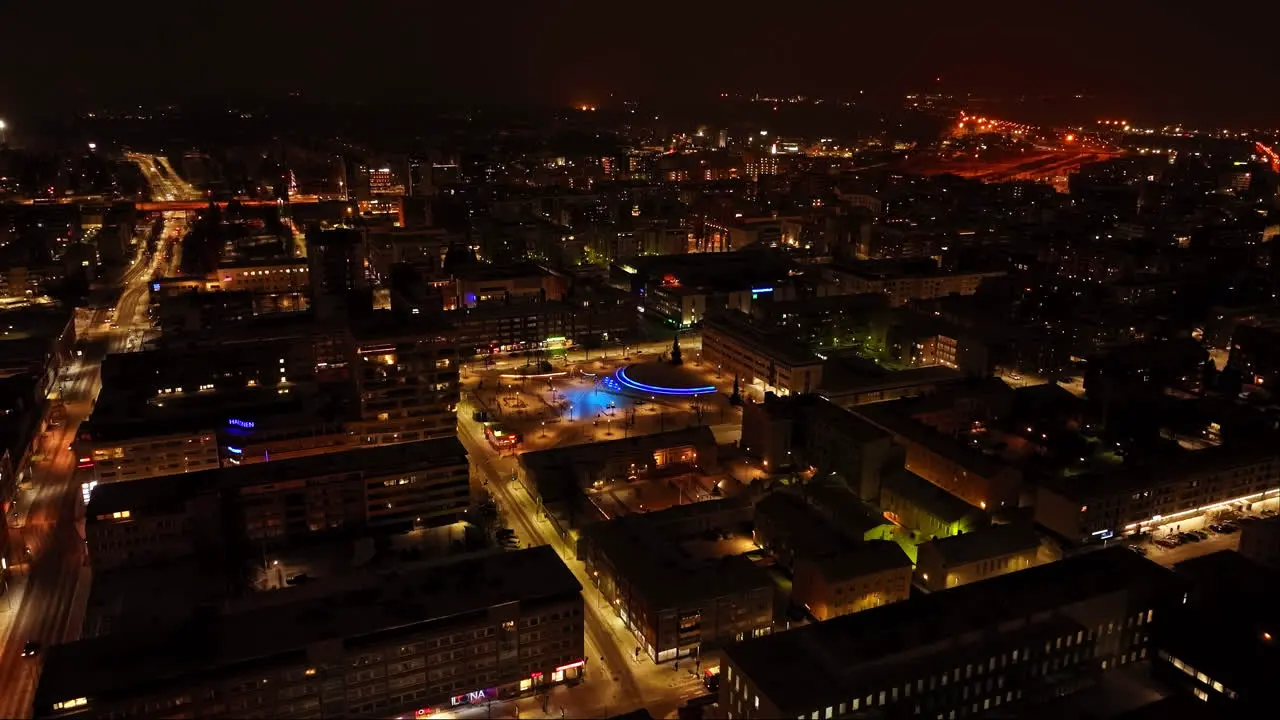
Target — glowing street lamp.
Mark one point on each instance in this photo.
(2, 135)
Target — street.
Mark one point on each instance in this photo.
(47, 600)
(615, 680)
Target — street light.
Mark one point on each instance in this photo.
(2, 135)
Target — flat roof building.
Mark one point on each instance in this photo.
(986, 552)
(778, 363)
(1010, 640)
(677, 591)
(416, 639)
(400, 486)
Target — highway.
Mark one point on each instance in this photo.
(48, 595)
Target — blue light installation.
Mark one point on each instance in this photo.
(629, 384)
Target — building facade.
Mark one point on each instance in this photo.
(423, 641)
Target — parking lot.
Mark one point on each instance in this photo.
(1172, 543)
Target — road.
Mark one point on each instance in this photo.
(49, 592)
(617, 680)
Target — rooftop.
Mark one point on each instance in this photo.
(167, 490)
(929, 497)
(874, 556)
(820, 663)
(642, 549)
(1171, 467)
(777, 346)
(268, 626)
(984, 544)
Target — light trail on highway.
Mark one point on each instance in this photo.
(49, 595)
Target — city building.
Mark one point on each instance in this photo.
(406, 375)
(1012, 640)
(986, 552)
(926, 509)
(867, 576)
(907, 281)
(850, 384)
(1218, 643)
(1255, 351)
(769, 360)
(379, 489)
(549, 474)
(1179, 486)
(790, 529)
(510, 284)
(981, 480)
(677, 591)
(1260, 540)
(409, 642)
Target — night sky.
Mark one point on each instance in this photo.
(1162, 59)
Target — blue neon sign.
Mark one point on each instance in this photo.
(246, 424)
(644, 387)
(234, 450)
(761, 290)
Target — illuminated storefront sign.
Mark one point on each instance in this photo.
(246, 424)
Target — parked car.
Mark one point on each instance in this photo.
(1167, 543)
(1190, 537)
(1138, 549)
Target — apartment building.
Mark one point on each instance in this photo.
(1184, 485)
(904, 282)
(866, 576)
(986, 552)
(1006, 642)
(670, 588)
(407, 378)
(384, 488)
(416, 641)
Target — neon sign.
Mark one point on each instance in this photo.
(630, 384)
(235, 450)
(246, 424)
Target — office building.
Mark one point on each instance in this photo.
(759, 357)
(410, 642)
(1004, 642)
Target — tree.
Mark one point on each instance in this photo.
(676, 359)
(736, 397)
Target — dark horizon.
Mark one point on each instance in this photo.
(1154, 59)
